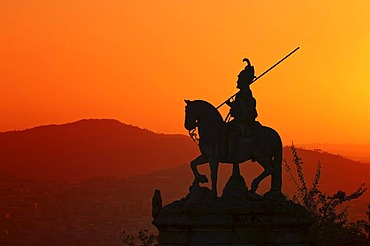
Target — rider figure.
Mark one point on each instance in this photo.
(243, 109)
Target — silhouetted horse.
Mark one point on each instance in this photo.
(211, 129)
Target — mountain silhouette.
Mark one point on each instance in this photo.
(89, 148)
(358, 152)
(105, 147)
(92, 148)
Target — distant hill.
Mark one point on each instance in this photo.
(105, 147)
(357, 152)
(93, 151)
(89, 148)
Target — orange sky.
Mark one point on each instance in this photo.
(136, 61)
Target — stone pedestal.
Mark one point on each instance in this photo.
(236, 218)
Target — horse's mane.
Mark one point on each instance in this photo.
(210, 107)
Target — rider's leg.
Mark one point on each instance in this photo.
(252, 132)
(235, 130)
(232, 145)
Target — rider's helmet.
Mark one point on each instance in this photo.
(246, 76)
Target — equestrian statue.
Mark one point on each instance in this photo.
(238, 140)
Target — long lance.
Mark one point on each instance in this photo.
(268, 70)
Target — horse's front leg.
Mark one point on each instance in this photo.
(197, 176)
(213, 164)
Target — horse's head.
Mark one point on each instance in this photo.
(191, 115)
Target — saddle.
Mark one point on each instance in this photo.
(254, 139)
(247, 144)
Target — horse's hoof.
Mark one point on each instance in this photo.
(203, 179)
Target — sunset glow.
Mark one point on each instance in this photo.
(135, 61)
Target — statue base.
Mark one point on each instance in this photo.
(238, 217)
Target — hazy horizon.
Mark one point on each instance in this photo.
(184, 132)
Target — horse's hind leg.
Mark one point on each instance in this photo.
(266, 172)
(213, 164)
(193, 164)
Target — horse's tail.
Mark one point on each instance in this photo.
(277, 161)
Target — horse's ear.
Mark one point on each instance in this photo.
(187, 101)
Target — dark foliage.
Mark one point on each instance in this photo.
(331, 226)
(144, 238)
